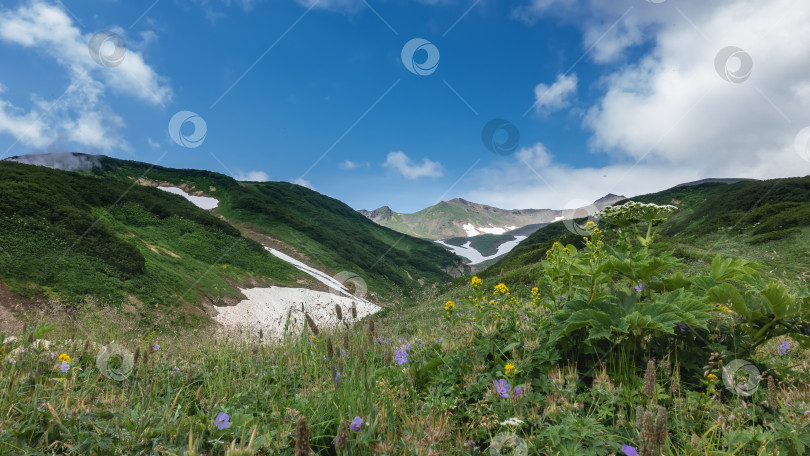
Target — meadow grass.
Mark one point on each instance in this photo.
(604, 349)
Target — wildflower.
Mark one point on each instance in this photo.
(476, 282)
(565, 250)
(535, 290)
(156, 347)
(712, 378)
(512, 422)
(337, 376)
(501, 288)
(682, 327)
(222, 421)
(52, 355)
(784, 347)
(65, 367)
(401, 356)
(11, 361)
(509, 369)
(639, 287)
(518, 391)
(342, 437)
(629, 451)
(64, 357)
(449, 306)
(502, 388)
(176, 369)
(356, 423)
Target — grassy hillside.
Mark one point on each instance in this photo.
(332, 235)
(67, 235)
(764, 221)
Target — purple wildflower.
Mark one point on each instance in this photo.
(342, 353)
(502, 388)
(156, 347)
(682, 327)
(518, 391)
(52, 355)
(222, 421)
(176, 369)
(629, 451)
(41, 406)
(401, 356)
(639, 287)
(337, 376)
(784, 347)
(65, 367)
(356, 424)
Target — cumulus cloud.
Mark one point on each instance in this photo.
(63, 161)
(304, 183)
(557, 95)
(252, 176)
(404, 165)
(80, 115)
(669, 116)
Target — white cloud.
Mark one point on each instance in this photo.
(304, 183)
(333, 5)
(252, 176)
(669, 117)
(80, 115)
(557, 95)
(403, 164)
(349, 165)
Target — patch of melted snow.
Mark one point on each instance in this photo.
(203, 202)
(475, 256)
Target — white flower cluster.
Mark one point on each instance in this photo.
(512, 422)
(634, 212)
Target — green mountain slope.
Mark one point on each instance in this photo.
(325, 232)
(746, 218)
(68, 236)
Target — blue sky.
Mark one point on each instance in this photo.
(624, 97)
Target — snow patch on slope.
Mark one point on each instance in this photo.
(471, 230)
(475, 256)
(203, 202)
(276, 309)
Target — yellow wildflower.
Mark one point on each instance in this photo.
(491, 302)
(509, 369)
(535, 291)
(712, 378)
(449, 306)
(566, 250)
(476, 281)
(501, 288)
(64, 357)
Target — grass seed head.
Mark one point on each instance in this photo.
(302, 447)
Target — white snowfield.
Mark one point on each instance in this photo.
(279, 310)
(203, 202)
(475, 256)
(471, 230)
(275, 310)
